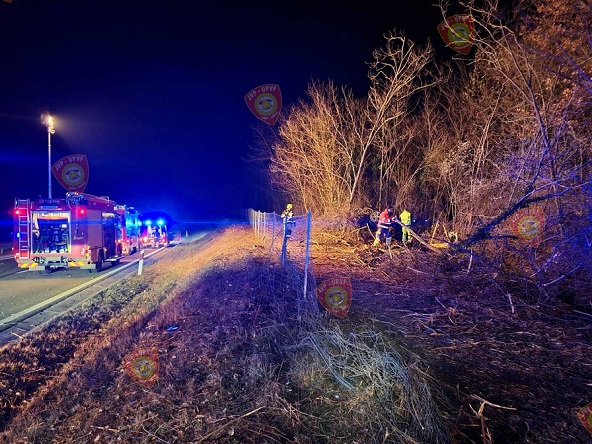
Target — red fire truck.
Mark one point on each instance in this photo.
(154, 234)
(78, 231)
(129, 228)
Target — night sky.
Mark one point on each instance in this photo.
(153, 92)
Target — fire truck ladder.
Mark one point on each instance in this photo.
(24, 229)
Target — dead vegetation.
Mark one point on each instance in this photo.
(513, 369)
(427, 354)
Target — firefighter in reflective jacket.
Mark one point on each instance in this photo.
(288, 220)
(405, 218)
(385, 222)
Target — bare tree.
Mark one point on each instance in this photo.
(397, 73)
(541, 154)
(311, 159)
(328, 145)
(504, 133)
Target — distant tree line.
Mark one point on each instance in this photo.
(468, 143)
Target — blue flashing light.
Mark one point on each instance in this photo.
(148, 222)
(160, 222)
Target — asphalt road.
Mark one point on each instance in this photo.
(20, 290)
(24, 290)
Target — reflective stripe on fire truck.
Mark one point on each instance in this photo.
(31, 265)
(76, 264)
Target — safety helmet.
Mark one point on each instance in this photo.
(289, 207)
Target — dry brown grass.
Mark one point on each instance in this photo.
(235, 370)
(252, 361)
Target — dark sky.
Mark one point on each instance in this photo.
(152, 92)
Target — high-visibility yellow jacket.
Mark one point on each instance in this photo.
(405, 217)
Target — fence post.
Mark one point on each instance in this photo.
(285, 243)
(258, 218)
(306, 254)
(259, 224)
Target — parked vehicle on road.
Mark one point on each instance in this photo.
(154, 234)
(81, 231)
(128, 229)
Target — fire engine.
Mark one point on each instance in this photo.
(78, 231)
(129, 228)
(154, 234)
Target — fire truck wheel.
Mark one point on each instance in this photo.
(47, 269)
(100, 261)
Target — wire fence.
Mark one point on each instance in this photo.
(392, 397)
(288, 239)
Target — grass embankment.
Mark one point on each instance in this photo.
(243, 358)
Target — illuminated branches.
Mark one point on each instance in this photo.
(471, 142)
(533, 141)
(339, 152)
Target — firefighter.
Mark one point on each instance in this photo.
(405, 218)
(288, 219)
(288, 212)
(385, 222)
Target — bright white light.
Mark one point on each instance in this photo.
(49, 123)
